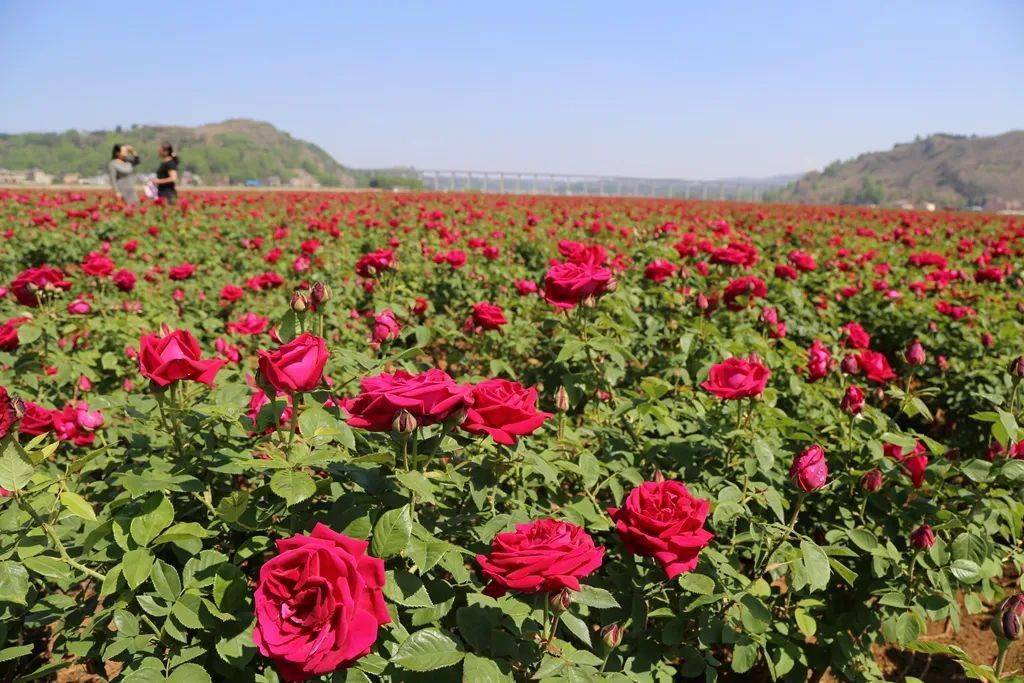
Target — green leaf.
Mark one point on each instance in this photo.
(189, 673)
(294, 486)
(392, 532)
(863, 539)
(815, 564)
(427, 650)
(166, 581)
(77, 505)
(902, 629)
(136, 566)
(9, 653)
(697, 583)
(15, 471)
(744, 657)
(476, 669)
(50, 567)
(157, 512)
(28, 333)
(13, 582)
(966, 571)
(598, 598)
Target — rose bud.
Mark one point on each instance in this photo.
(915, 353)
(987, 340)
(850, 366)
(702, 303)
(853, 400)
(299, 302)
(560, 601)
(942, 362)
(872, 480)
(321, 293)
(809, 470)
(1009, 620)
(404, 422)
(611, 636)
(1016, 368)
(923, 537)
(562, 399)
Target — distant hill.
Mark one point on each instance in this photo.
(232, 151)
(947, 170)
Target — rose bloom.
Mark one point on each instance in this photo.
(660, 519)
(430, 397)
(568, 284)
(259, 399)
(231, 293)
(503, 409)
(181, 272)
(385, 327)
(97, 264)
(923, 537)
(8, 413)
(856, 336)
(9, 333)
(853, 400)
(29, 281)
(525, 287)
(175, 356)
(250, 323)
(79, 307)
(485, 316)
(375, 262)
(68, 424)
(319, 604)
(748, 286)
(809, 470)
(36, 420)
(784, 271)
(295, 366)
(542, 556)
(660, 270)
(583, 254)
(736, 378)
(875, 366)
(124, 279)
(802, 260)
(916, 461)
(819, 361)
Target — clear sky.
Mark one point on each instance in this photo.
(670, 89)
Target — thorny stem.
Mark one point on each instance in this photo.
(789, 530)
(24, 505)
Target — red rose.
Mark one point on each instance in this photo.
(660, 519)
(181, 272)
(375, 262)
(802, 260)
(567, 284)
(736, 378)
(856, 336)
(175, 356)
(318, 604)
(295, 366)
(875, 366)
(916, 461)
(250, 323)
(809, 470)
(430, 397)
(125, 280)
(748, 286)
(231, 293)
(28, 282)
(36, 420)
(385, 327)
(853, 400)
(923, 537)
(541, 556)
(819, 361)
(97, 264)
(583, 254)
(660, 270)
(9, 334)
(525, 287)
(503, 409)
(9, 413)
(485, 316)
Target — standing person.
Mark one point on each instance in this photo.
(167, 174)
(122, 171)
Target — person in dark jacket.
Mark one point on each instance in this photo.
(167, 174)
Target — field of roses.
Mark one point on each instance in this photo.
(414, 437)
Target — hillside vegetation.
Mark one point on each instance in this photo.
(229, 152)
(948, 170)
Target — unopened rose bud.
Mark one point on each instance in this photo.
(560, 601)
(589, 302)
(923, 537)
(872, 480)
(809, 470)
(562, 399)
(702, 303)
(404, 422)
(1009, 621)
(853, 400)
(611, 636)
(987, 340)
(1016, 368)
(299, 302)
(321, 293)
(915, 353)
(850, 365)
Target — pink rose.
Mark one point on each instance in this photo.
(295, 366)
(430, 397)
(736, 378)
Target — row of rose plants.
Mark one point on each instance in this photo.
(443, 437)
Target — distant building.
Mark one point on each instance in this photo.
(70, 178)
(30, 177)
(38, 177)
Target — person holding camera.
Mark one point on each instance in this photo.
(167, 174)
(122, 173)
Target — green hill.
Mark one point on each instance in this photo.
(947, 170)
(233, 151)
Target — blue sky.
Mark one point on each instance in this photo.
(670, 89)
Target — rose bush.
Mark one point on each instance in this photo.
(360, 437)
